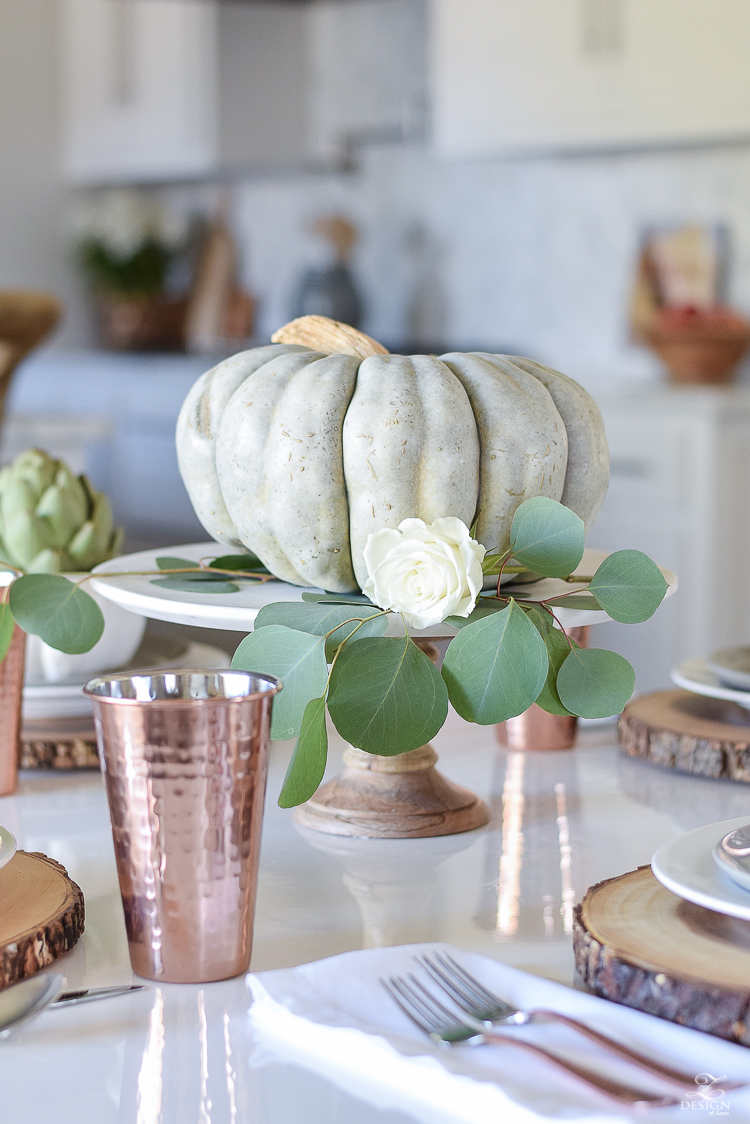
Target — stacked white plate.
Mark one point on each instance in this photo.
(724, 675)
(67, 700)
(696, 867)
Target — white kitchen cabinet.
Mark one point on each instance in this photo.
(367, 78)
(139, 89)
(515, 75)
(680, 491)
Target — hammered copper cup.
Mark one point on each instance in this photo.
(11, 695)
(185, 756)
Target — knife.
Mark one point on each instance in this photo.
(69, 998)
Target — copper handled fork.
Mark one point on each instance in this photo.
(486, 1011)
(444, 1027)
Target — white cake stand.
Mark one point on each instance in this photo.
(381, 797)
(236, 612)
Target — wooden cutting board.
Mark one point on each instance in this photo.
(638, 944)
(41, 915)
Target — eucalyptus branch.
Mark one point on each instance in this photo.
(236, 575)
(559, 624)
(560, 596)
(351, 620)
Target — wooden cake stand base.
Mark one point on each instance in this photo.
(401, 797)
(41, 915)
(639, 944)
(681, 730)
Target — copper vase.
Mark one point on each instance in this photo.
(185, 756)
(536, 728)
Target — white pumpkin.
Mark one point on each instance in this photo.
(300, 450)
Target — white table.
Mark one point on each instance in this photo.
(178, 1054)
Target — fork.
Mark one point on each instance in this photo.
(442, 1026)
(487, 1011)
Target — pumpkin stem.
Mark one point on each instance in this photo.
(329, 336)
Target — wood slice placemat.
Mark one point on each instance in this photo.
(638, 944)
(58, 743)
(680, 730)
(41, 915)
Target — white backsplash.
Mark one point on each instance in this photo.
(531, 254)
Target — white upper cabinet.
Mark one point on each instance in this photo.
(524, 75)
(139, 80)
(366, 74)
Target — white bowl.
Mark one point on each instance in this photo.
(123, 632)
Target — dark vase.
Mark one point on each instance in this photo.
(329, 292)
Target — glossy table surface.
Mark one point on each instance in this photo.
(177, 1054)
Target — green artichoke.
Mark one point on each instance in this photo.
(51, 521)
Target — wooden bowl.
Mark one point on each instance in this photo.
(695, 355)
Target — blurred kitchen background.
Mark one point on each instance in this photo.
(563, 179)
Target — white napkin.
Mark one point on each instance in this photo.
(334, 1017)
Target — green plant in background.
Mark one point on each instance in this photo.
(126, 242)
(141, 274)
(52, 521)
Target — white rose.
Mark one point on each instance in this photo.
(427, 573)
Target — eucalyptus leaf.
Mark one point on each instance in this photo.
(582, 600)
(168, 562)
(52, 607)
(543, 621)
(7, 625)
(547, 537)
(558, 649)
(495, 668)
(319, 618)
(338, 598)
(296, 658)
(595, 683)
(386, 696)
(629, 586)
(483, 608)
(196, 583)
(308, 763)
(248, 561)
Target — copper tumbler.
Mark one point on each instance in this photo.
(11, 695)
(185, 757)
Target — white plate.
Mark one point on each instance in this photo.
(696, 676)
(58, 700)
(7, 846)
(236, 612)
(731, 666)
(686, 866)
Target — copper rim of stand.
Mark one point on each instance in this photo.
(402, 797)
